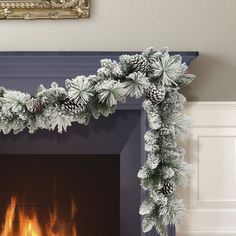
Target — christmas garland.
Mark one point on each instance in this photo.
(155, 74)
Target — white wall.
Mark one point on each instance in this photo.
(207, 26)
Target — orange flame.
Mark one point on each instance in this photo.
(7, 228)
(29, 225)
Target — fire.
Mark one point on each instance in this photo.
(9, 217)
(29, 224)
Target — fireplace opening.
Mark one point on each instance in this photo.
(60, 195)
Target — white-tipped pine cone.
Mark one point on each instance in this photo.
(156, 94)
(169, 187)
(139, 63)
(136, 63)
(166, 130)
(34, 105)
(72, 108)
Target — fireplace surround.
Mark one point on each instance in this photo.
(101, 137)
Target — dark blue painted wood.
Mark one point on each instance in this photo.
(26, 70)
(187, 56)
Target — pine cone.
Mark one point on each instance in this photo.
(169, 187)
(166, 130)
(34, 105)
(156, 94)
(137, 63)
(70, 107)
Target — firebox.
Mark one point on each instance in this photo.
(60, 195)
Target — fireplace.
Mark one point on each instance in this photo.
(88, 174)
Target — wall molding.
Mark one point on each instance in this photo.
(210, 114)
(221, 232)
(211, 197)
(211, 105)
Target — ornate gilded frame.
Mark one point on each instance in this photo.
(44, 9)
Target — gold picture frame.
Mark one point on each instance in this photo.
(44, 9)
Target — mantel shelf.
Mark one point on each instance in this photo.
(25, 71)
(187, 56)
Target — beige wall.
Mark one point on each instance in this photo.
(207, 26)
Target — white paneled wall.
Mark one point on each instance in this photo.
(211, 198)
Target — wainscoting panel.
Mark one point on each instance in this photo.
(211, 198)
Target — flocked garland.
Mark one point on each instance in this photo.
(155, 74)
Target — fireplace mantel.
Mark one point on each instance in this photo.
(25, 71)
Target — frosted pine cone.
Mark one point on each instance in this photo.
(135, 63)
(156, 94)
(139, 63)
(69, 106)
(169, 187)
(34, 105)
(166, 130)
